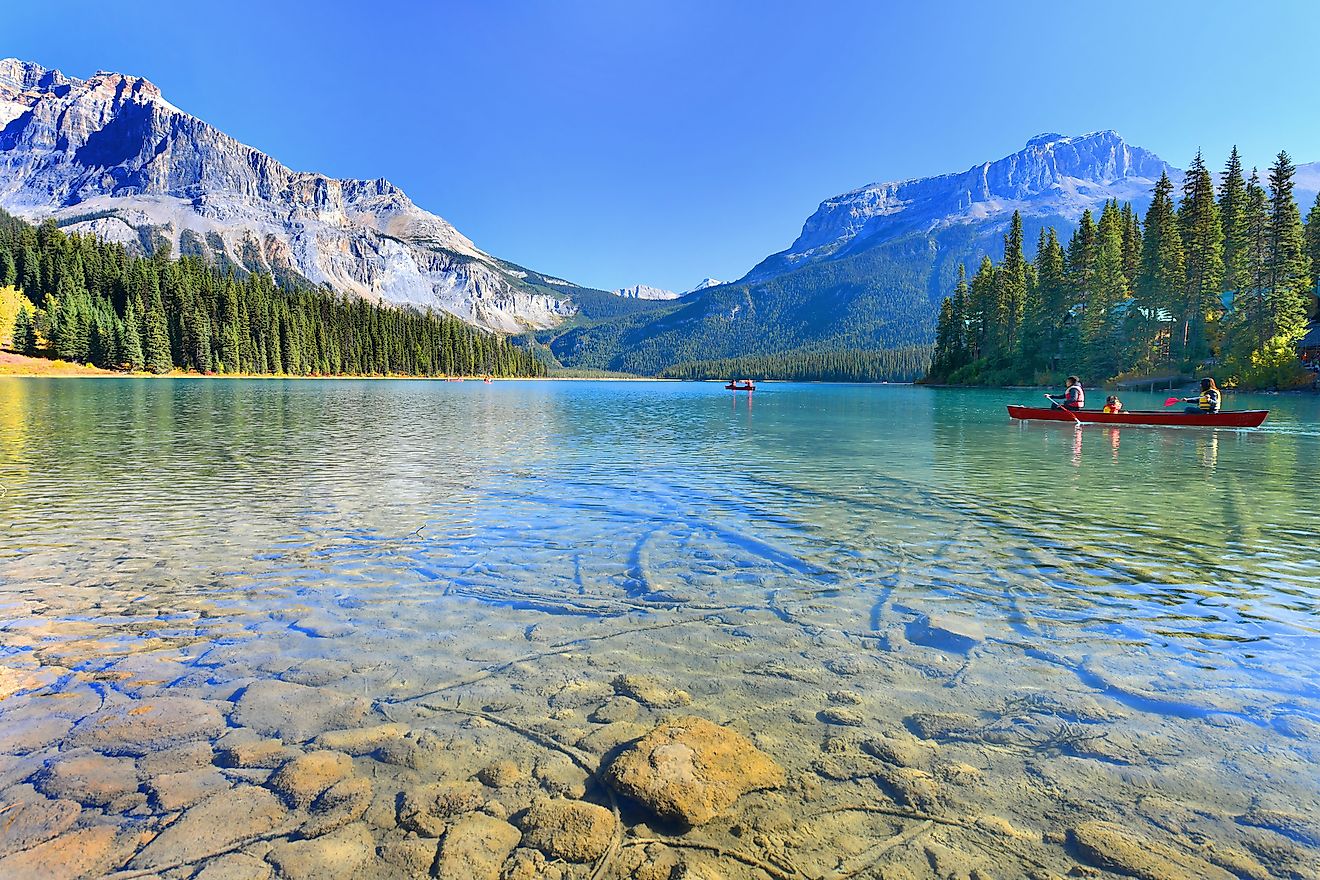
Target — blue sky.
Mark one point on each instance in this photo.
(615, 143)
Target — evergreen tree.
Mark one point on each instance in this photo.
(156, 341)
(1313, 244)
(1232, 217)
(1012, 280)
(1108, 292)
(1161, 278)
(1287, 268)
(131, 338)
(23, 332)
(1203, 256)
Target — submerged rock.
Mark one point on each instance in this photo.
(87, 852)
(302, 779)
(1116, 849)
(475, 847)
(214, 825)
(946, 632)
(690, 770)
(361, 740)
(236, 866)
(428, 808)
(295, 712)
(650, 692)
(337, 856)
(1300, 828)
(574, 831)
(89, 779)
(501, 774)
(26, 824)
(841, 716)
(142, 726)
(176, 791)
(945, 726)
(27, 735)
(340, 804)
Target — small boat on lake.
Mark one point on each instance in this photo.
(1246, 418)
(744, 386)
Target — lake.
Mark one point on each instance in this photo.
(975, 647)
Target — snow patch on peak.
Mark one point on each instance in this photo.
(643, 291)
(705, 283)
(1041, 140)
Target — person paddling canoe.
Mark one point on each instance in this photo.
(1208, 400)
(1073, 397)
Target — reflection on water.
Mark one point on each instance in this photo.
(973, 645)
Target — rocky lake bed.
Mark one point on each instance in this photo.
(905, 684)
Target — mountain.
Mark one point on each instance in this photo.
(642, 291)
(109, 155)
(705, 282)
(1053, 178)
(871, 266)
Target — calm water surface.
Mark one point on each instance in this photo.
(1049, 626)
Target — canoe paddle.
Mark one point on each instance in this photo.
(1065, 409)
(1171, 401)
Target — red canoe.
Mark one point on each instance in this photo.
(740, 387)
(1247, 418)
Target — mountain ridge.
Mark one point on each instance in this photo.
(111, 156)
(871, 265)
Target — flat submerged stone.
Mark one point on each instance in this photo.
(142, 726)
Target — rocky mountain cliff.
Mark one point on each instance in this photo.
(110, 155)
(1052, 177)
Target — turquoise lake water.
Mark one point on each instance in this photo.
(1063, 624)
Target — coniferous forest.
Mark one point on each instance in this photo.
(885, 365)
(1214, 279)
(97, 304)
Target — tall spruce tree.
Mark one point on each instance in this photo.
(1313, 246)
(1161, 278)
(1012, 280)
(1108, 293)
(1203, 255)
(1288, 268)
(1232, 217)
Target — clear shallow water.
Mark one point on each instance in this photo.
(1057, 625)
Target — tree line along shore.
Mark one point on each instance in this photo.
(86, 301)
(1221, 282)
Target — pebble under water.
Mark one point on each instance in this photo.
(378, 629)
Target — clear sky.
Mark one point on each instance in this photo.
(614, 142)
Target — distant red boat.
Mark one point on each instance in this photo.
(1246, 418)
(734, 386)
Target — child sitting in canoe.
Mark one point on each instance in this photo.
(1113, 404)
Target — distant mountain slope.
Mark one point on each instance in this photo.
(871, 266)
(110, 155)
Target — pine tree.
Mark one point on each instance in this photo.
(1287, 267)
(131, 338)
(1203, 255)
(1162, 277)
(1012, 280)
(156, 341)
(1108, 292)
(1232, 217)
(23, 329)
(1313, 244)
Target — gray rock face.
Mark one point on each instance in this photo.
(113, 153)
(1052, 175)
